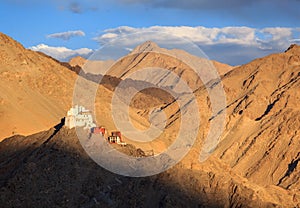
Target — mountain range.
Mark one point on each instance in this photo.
(255, 163)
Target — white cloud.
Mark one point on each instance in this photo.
(202, 35)
(295, 40)
(66, 35)
(253, 41)
(277, 37)
(61, 53)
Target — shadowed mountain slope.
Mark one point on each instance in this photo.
(51, 169)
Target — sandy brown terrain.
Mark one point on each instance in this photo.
(254, 165)
(36, 90)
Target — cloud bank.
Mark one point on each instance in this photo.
(62, 53)
(233, 45)
(66, 35)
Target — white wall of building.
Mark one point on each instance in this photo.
(78, 116)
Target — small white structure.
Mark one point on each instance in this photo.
(78, 116)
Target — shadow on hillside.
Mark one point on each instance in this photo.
(56, 172)
(111, 82)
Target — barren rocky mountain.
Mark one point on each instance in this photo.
(262, 140)
(36, 90)
(142, 57)
(254, 165)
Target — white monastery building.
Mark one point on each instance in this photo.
(78, 116)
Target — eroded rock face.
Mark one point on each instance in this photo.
(263, 120)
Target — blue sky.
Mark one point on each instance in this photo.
(232, 31)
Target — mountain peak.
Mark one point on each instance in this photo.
(293, 48)
(146, 46)
(77, 61)
(6, 41)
